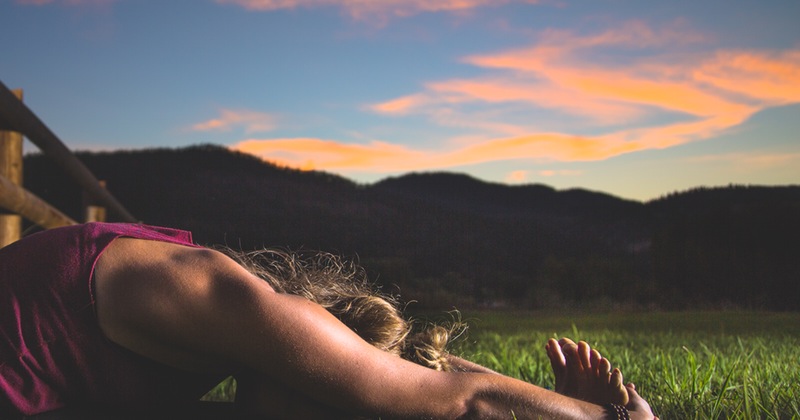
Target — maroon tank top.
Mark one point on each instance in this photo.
(52, 351)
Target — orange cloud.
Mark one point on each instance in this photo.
(360, 9)
(542, 95)
(310, 153)
(400, 106)
(709, 95)
(252, 121)
(662, 99)
(673, 96)
(662, 137)
(770, 77)
(543, 146)
(572, 80)
(516, 177)
(552, 75)
(561, 172)
(382, 157)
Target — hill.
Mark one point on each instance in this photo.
(442, 237)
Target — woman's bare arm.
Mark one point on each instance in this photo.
(196, 309)
(462, 365)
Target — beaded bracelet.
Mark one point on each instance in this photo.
(617, 412)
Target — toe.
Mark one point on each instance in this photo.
(604, 366)
(584, 356)
(595, 360)
(619, 393)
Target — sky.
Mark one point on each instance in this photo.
(637, 99)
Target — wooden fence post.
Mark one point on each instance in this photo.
(11, 168)
(16, 116)
(93, 212)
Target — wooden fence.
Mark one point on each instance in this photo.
(16, 121)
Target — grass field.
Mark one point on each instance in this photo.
(688, 365)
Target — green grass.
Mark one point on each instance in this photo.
(688, 365)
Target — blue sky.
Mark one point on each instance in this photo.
(633, 98)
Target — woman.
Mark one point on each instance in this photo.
(124, 316)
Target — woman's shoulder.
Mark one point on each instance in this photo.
(150, 292)
(144, 260)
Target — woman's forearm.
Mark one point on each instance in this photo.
(462, 365)
(495, 396)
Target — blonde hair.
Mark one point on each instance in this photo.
(342, 288)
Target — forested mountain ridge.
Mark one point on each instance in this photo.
(448, 239)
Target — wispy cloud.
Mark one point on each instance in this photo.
(560, 172)
(525, 176)
(500, 91)
(384, 157)
(251, 121)
(311, 153)
(516, 177)
(771, 77)
(553, 74)
(363, 9)
(403, 105)
(657, 95)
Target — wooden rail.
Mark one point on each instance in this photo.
(23, 202)
(16, 120)
(11, 171)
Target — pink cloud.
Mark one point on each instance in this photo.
(400, 106)
(521, 176)
(561, 172)
(252, 121)
(361, 9)
(517, 177)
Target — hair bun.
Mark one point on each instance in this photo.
(428, 348)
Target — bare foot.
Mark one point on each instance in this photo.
(583, 373)
(559, 364)
(638, 407)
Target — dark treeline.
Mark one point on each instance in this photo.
(451, 240)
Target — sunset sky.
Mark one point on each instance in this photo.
(634, 98)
